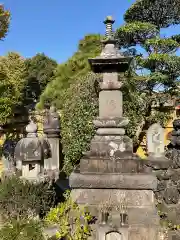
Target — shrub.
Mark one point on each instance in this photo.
(20, 198)
(73, 221)
(22, 230)
(80, 107)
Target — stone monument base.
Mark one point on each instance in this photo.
(94, 190)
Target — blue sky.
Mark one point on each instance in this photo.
(55, 26)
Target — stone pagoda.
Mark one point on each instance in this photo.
(110, 178)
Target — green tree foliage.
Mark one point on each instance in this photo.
(79, 108)
(40, 71)
(4, 21)
(12, 81)
(155, 56)
(162, 13)
(69, 71)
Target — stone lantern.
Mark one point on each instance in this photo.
(30, 153)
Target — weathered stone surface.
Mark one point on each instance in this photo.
(171, 195)
(134, 198)
(114, 236)
(95, 165)
(143, 216)
(103, 232)
(140, 233)
(173, 212)
(53, 162)
(174, 235)
(118, 181)
(158, 163)
(110, 104)
(117, 146)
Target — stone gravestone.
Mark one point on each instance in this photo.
(155, 141)
(113, 236)
(51, 129)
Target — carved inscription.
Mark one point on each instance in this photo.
(111, 104)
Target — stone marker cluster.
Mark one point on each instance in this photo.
(38, 157)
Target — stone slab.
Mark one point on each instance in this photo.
(95, 165)
(134, 198)
(113, 181)
(110, 131)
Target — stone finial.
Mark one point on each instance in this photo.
(109, 22)
(110, 59)
(51, 125)
(31, 128)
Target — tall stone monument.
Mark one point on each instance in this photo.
(110, 170)
(51, 129)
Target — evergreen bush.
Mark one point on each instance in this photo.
(20, 199)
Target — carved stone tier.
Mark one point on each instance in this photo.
(113, 181)
(111, 122)
(100, 64)
(107, 165)
(111, 146)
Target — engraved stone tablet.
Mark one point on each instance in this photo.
(110, 104)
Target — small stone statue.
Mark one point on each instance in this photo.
(155, 141)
